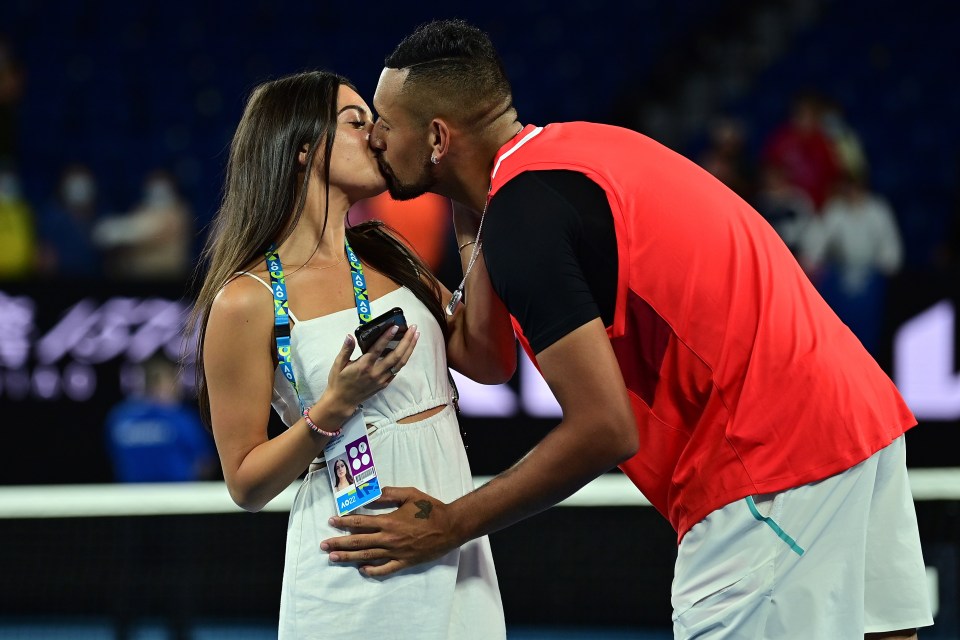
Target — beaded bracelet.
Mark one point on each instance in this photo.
(314, 427)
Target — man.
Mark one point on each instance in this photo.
(682, 341)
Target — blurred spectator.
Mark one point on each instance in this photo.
(804, 151)
(11, 90)
(787, 208)
(17, 238)
(726, 157)
(857, 245)
(155, 437)
(66, 244)
(846, 142)
(153, 242)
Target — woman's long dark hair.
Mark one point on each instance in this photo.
(263, 199)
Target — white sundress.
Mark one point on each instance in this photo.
(453, 597)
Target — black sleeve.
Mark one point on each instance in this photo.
(550, 249)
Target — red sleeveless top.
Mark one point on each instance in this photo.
(742, 379)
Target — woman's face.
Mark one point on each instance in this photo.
(353, 166)
(340, 467)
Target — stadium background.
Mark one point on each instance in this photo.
(126, 88)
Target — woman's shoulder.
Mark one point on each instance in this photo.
(244, 299)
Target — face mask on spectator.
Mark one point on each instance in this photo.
(159, 194)
(78, 191)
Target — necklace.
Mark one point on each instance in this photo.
(477, 245)
(477, 242)
(326, 266)
(329, 266)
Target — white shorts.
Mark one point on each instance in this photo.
(833, 559)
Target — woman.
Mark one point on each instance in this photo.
(298, 161)
(343, 478)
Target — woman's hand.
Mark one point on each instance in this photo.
(350, 382)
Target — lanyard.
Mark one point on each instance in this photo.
(281, 308)
(359, 283)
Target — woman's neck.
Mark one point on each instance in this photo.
(317, 240)
(310, 244)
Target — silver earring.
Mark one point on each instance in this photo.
(434, 159)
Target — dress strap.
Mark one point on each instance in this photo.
(267, 285)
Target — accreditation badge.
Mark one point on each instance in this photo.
(350, 467)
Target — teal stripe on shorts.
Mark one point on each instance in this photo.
(773, 525)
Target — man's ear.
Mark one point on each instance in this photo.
(439, 139)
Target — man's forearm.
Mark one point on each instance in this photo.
(568, 458)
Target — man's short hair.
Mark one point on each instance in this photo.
(456, 65)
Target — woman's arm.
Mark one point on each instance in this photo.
(239, 365)
(482, 345)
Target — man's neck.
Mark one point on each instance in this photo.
(470, 180)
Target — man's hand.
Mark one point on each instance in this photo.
(420, 530)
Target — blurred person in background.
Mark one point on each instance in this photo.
(66, 224)
(726, 158)
(803, 150)
(854, 248)
(298, 161)
(848, 148)
(154, 241)
(11, 91)
(17, 234)
(787, 208)
(154, 436)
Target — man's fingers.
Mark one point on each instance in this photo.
(345, 544)
(354, 524)
(383, 502)
(390, 497)
(358, 557)
(380, 570)
(395, 494)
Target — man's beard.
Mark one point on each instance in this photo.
(407, 191)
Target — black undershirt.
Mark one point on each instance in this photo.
(551, 251)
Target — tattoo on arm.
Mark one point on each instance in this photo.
(425, 507)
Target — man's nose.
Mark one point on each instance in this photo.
(373, 137)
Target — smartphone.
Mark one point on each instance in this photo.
(370, 332)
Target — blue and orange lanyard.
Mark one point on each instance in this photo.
(281, 307)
